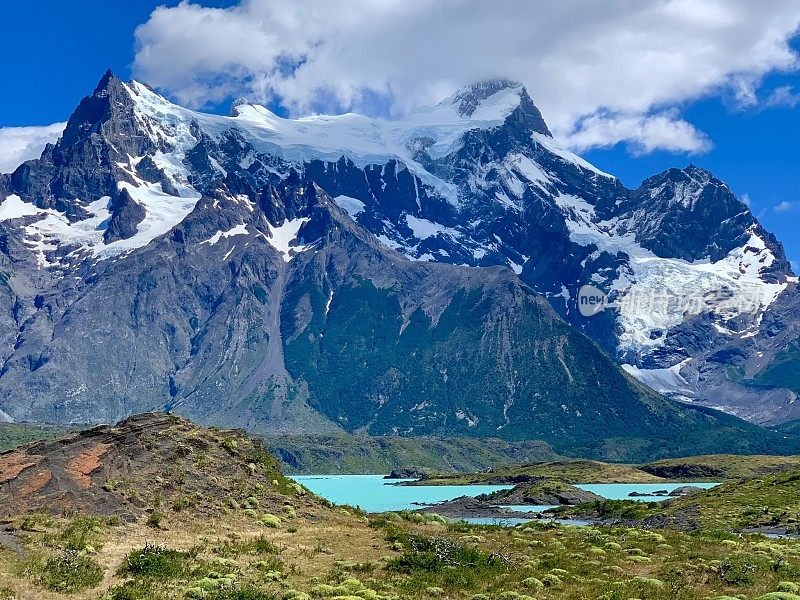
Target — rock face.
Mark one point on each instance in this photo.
(123, 470)
(406, 473)
(320, 275)
(687, 471)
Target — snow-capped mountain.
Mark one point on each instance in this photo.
(143, 204)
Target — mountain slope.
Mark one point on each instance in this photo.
(294, 275)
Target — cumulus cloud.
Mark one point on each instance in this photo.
(641, 133)
(592, 67)
(18, 144)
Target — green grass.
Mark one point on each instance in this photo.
(156, 562)
(13, 435)
(67, 572)
(245, 593)
(259, 545)
(760, 502)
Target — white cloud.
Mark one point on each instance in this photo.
(629, 59)
(18, 144)
(745, 198)
(642, 134)
(786, 206)
(784, 95)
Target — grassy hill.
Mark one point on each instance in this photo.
(157, 508)
(764, 503)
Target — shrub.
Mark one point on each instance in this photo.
(66, 573)
(154, 519)
(130, 590)
(269, 520)
(436, 554)
(80, 534)
(551, 580)
(533, 583)
(156, 562)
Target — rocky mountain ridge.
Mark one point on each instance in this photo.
(231, 268)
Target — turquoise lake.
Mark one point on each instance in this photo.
(373, 493)
(620, 491)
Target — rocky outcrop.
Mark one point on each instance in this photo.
(468, 507)
(137, 465)
(543, 493)
(406, 473)
(683, 471)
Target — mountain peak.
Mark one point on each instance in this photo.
(107, 82)
(470, 97)
(236, 104)
(699, 174)
(473, 97)
(94, 110)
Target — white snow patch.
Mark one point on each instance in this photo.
(388, 242)
(240, 229)
(14, 207)
(667, 381)
(530, 170)
(162, 213)
(284, 236)
(423, 228)
(352, 206)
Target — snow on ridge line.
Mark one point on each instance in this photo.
(363, 140)
(240, 229)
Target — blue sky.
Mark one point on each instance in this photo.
(56, 51)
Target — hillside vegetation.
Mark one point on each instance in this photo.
(156, 508)
(341, 454)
